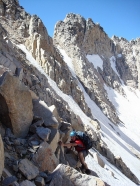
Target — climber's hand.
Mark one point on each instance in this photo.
(60, 143)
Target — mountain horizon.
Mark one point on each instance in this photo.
(123, 24)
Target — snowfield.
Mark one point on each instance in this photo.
(95, 60)
(122, 140)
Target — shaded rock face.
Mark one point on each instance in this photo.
(40, 108)
(1, 156)
(4, 112)
(122, 166)
(128, 62)
(16, 105)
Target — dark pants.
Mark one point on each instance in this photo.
(85, 153)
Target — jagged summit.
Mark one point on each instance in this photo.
(74, 18)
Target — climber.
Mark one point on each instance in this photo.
(79, 147)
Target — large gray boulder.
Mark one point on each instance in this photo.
(16, 105)
(45, 159)
(1, 156)
(98, 160)
(43, 133)
(65, 175)
(28, 169)
(41, 109)
(26, 183)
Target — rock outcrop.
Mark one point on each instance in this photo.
(45, 159)
(16, 105)
(70, 177)
(128, 61)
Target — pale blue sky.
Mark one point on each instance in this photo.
(117, 17)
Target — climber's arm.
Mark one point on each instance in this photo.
(68, 144)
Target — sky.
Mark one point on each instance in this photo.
(117, 17)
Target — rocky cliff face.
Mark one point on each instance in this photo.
(34, 110)
(128, 62)
(81, 38)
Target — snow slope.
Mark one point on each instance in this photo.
(119, 144)
(95, 60)
(119, 139)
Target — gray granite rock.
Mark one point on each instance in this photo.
(27, 183)
(43, 133)
(28, 169)
(9, 181)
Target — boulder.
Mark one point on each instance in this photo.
(6, 174)
(110, 172)
(96, 124)
(71, 158)
(66, 175)
(125, 170)
(28, 169)
(9, 181)
(27, 183)
(41, 109)
(43, 133)
(53, 139)
(65, 130)
(1, 156)
(34, 96)
(99, 160)
(34, 126)
(45, 159)
(110, 155)
(16, 105)
(39, 181)
(76, 122)
(53, 109)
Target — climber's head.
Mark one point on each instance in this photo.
(73, 135)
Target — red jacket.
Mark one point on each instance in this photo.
(80, 146)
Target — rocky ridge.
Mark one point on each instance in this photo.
(37, 149)
(81, 38)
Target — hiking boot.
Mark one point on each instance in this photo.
(82, 168)
(87, 171)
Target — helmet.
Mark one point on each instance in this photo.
(73, 133)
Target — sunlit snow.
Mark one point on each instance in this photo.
(95, 60)
(69, 61)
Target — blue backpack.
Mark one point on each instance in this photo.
(85, 139)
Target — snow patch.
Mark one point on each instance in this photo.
(68, 60)
(95, 60)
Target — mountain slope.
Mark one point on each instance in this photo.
(92, 80)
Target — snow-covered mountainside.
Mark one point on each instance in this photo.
(91, 80)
